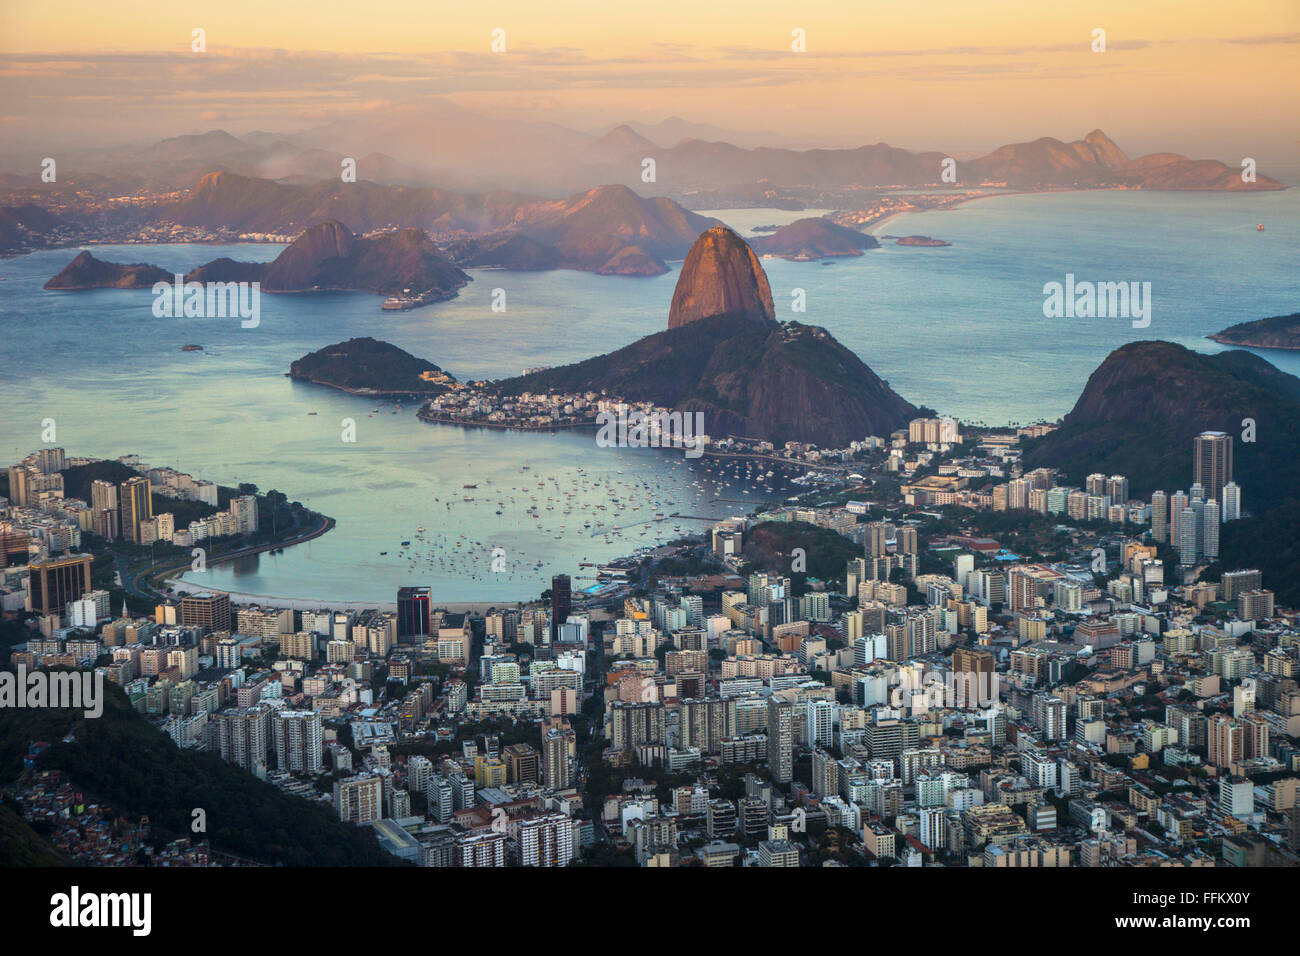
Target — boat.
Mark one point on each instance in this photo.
(311, 413)
(199, 348)
(469, 486)
(1259, 227)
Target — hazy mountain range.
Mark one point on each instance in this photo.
(484, 154)
(412, 177)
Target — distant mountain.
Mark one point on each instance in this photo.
(620, 143)
(441, 144)
(586, 231)
(250, 204)
(590, 228)
(503, 250)
(721, 276)
(25, 226)
(632, 261)
(210, 145)
(814, 238)
(1145, 403)
(329, 256)
(87, 272)
(725, 356)
(368, 365)
(1279, 332)
(674, 129)
(1093, 162)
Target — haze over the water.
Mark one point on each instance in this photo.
(1192, 77)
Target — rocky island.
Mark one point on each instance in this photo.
(367, 366)
(87, 272)
(326, 257)
(814, 238)
(925, 241)
(1278, 332)
(329, 257)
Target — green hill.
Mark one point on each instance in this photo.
(366, 364)
(1142, 408)
(123, 760)
(770, 546)
(1145, 403)
(20, 845)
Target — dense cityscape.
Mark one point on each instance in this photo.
(879, 682)
(445, 445)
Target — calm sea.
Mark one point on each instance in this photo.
(959, 328)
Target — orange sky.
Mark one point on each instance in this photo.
(1197, 77)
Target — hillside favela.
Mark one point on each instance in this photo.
(485, 440)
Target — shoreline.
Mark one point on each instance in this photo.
(358, 392)
(555, 427)
(144, 579)
(871, 229)
(750, 456)
(880, 223)
(1217, 337)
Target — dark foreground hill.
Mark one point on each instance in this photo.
(121, 759)
(1145, 403)
(1141, 409)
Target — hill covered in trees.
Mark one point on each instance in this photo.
(121, 759)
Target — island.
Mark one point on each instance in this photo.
(87, 272)
(367, 366)
(813, 238)
(403, 265)
(1278, 332)
(926, 241)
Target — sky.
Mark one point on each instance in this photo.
(1202, 78)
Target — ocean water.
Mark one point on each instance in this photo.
(959, 328)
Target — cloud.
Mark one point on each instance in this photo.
(1269, 39)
